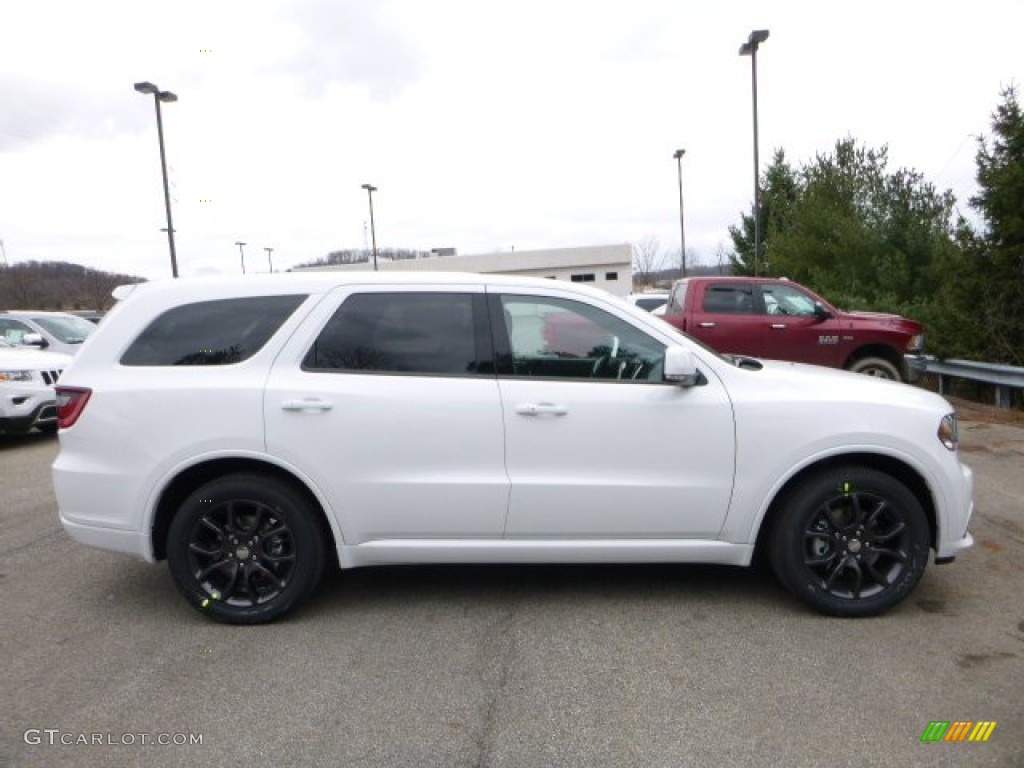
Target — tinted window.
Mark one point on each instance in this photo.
(211, 332)
(650, 302)
(556, 338)
(729, 298)
(426, 333)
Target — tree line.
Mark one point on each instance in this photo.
(58, 285)
(867, 237)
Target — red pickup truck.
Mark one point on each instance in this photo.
(780, 320)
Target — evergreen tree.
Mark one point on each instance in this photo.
(998, 254)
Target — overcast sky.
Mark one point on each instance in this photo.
(484, 125)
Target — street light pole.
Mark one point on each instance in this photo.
(163, 96)
(678, 155)
(370, 189)
(749, 48)
(241, 253)
(270, 260)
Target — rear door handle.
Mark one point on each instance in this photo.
(706, 325)
(307, 404)
(541, 409)
(779, 326)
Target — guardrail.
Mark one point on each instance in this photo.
(1004, 377)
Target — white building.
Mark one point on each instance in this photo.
(602, 266)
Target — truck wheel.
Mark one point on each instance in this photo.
(876, 366)
(245, 549)
(850, 542)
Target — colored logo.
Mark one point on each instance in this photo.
(958, 730)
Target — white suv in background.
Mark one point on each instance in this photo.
(649, 300)
(27, 397)
(248, 429)
(53, 331)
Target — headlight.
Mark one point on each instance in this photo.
(949, 432)
(916, 343)
(15, 375)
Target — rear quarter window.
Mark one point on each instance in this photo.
(219, 332)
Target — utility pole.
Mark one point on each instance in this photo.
(241, 253)
(270, 260)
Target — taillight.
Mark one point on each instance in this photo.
(70, 404)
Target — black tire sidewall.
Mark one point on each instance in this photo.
(788, 540)
(293, 510)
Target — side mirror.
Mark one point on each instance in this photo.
(681, 367)
(34, 340)
(821, 311)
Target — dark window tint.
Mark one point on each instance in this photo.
(211, 332)
(426, 333)
(650, 303)
(729, 298)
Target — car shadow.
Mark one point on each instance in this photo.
(399, 587)
(20, 439)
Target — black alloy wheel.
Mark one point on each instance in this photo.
(851, 542)
(244, 549)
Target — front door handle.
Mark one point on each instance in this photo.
(541, 409)
(706, 325)
(779, 326)
(307, 404)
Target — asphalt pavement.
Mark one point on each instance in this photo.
(507, 666)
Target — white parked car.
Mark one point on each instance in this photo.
(53, 331)
(27, 397)
(248, 429)
(649, 300)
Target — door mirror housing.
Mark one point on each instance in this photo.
(681, 367)
(822, 312)
(34, 340)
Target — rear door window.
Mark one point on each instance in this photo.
(220, 332)
(404, 332)
(729, 299)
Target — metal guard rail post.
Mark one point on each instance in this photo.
(1004, 377)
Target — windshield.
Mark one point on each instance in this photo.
(67, 328)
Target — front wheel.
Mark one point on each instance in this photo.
(245, 549)
(878, 367)
(850, 542)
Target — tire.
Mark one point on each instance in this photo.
(878, 367)
(850, 542)
(245, 549)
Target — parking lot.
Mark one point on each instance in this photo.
(507, 666)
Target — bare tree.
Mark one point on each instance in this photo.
(647, 259)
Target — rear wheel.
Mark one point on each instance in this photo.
(878, 367)
(850, 542)
(245, 549)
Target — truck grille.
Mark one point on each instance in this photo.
(50, 377)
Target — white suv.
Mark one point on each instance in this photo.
(27, 397)
(246, 428)
(53, 331)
